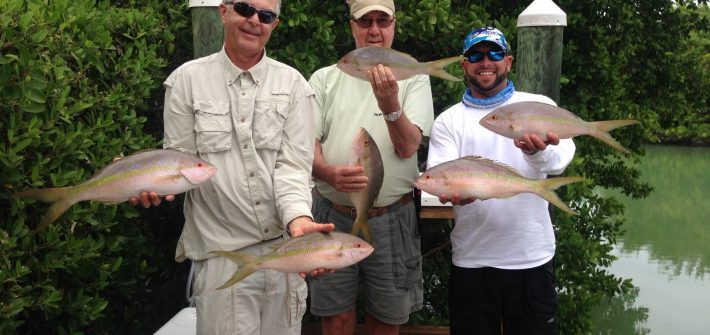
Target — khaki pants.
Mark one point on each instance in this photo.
(265, 303)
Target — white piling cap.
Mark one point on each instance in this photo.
(542, 13)
(204, 3)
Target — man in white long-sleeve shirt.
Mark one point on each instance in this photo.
(502, 248)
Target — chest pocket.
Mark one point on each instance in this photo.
(269, 118)
(213, 125)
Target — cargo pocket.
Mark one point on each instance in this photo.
(213, 125)
(269, 118)
(407, 257)
(297, 294)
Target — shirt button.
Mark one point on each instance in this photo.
(245, 146)
(266, 230)
(243, 119)
(258, 203)
(244, 93)
(251, 174)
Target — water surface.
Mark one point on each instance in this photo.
(665, 250)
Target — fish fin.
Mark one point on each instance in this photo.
(551, 184)
(57, 196)
(602, 128)
(436, 68)
(246, 265)
(361, 228)
(188, 176)
(43, 195)
(492, 163)
(52, 214)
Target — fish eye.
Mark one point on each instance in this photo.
(494, 117)
(199, 164)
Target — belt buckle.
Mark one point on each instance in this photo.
(353, 212)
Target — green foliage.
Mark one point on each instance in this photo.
(80, 83)
(74, 77)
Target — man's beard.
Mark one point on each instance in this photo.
(475, 85)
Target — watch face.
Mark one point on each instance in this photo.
(393, 116)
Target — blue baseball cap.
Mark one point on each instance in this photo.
(487, 34)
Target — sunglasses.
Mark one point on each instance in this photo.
(245, 9)
(382, 22)
(493, 56)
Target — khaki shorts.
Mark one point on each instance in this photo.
(392, 282)
(266, 302)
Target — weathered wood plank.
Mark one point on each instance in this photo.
(315, 329)
(207, 31)
(539, 61)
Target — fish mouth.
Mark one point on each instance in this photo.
(368, 251)
(418, 184)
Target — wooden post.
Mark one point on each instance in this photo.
(207, 29)
(539, 58)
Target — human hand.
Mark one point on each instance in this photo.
(532, 144)
(456, 200)
(304, 225)
(348, 178)
(385, 88)
(149, 198)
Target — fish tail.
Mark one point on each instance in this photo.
(360, 227)
(57, 196)
(602, 128)
(44, 194)
(551, 184)
(436, 68)
(52, 214)
(246, 265)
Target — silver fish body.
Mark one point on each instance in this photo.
(481, 178)
(304, 253)
(161, 171)
(358, 62)
(364, 152)
(536, 118)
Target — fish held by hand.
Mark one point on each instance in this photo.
(161, 171)
(537, 118)
(358, 62)
(482, 178)
(304, 253)
(364, 152)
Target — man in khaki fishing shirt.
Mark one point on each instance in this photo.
(250, 116)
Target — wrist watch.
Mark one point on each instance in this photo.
(394, 116)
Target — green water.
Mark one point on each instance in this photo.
(665, 250)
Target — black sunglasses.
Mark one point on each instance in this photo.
(493, 56)
(245, 9)
(382, 22)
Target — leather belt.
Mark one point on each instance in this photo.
(375, 211)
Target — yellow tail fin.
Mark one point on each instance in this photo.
(246, 265)
(551, 184)
(57, 196)
(359, 226)
(436, 68)
(602, 128)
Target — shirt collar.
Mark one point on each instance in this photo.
(232, 72)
